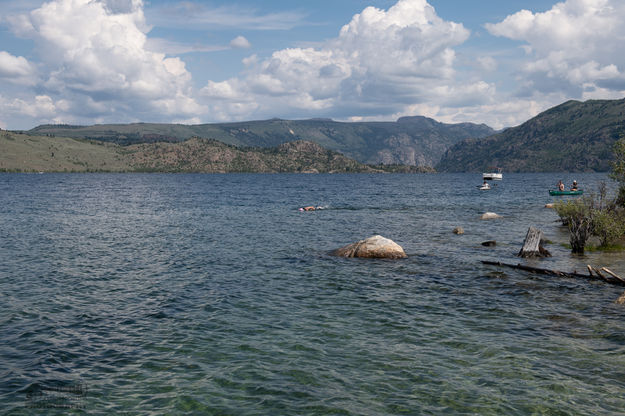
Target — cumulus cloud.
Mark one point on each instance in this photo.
(96, 58)
(380, 62)
(240, 43)
(16, 68)
(571, 48)
(41, 106)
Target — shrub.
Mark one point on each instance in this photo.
(578, 216)
(593, 215)
(618, 169)
(609, 225)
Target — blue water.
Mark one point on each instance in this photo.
(212, 294)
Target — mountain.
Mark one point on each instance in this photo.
(571, 137)
(417, 141)
(26, 153)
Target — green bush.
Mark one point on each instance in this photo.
(593, 215)
(609, 226)
(578, 216)
(618, 170)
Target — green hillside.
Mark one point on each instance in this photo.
(572, 137)
(26, 153)
(417, 141)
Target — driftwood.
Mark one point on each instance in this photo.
(611, 280)
(532, 246)
(604, 269)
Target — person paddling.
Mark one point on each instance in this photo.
(560, 186)
(574, 187)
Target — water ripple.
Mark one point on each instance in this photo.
(213, 294)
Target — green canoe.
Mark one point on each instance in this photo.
(556, 193)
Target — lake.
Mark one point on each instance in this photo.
(137, 294)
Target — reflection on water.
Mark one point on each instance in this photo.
(214, 294)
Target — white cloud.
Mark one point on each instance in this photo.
(96, 58)
(240, 43)
(41, 106)
(572, 48)
(16, 68)
(177, 48)
(381, 62)
(189, 14)
(487, 63)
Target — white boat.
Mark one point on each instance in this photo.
(497, 176)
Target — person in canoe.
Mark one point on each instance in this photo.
(574, 187)
(560, 186)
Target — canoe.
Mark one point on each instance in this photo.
(558, 193)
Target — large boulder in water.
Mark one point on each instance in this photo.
(372, 247)
(490, 216)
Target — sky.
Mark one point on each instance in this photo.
(498, 62)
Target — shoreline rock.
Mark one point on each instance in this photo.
(372, 247)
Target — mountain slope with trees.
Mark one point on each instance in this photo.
(574, 136)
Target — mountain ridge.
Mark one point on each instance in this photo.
(416, 141)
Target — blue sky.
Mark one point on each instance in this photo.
(494, 62)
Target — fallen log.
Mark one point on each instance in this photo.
(552, 272)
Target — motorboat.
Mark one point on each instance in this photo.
(495, 175)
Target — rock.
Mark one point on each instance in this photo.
(489, 216)
(548, 205)
(621, 299)
(372, 247)
(458, 230)
(489, 243)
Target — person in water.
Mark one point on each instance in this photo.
(560, 186)
(574, 187)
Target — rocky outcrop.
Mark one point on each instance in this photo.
(372, 247)
(490, 216)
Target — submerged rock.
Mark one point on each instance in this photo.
(458, 230)
(489, 243)
(372, 247)
(548, 205)
(490, 216)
